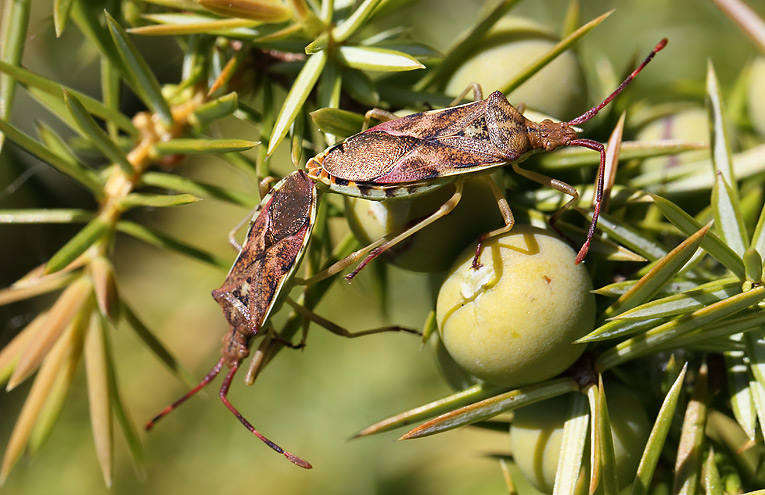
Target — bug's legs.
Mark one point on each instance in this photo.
(207, 379)
(287, 343)
(475, 88)
(444, 210)
(381, 245)
(267, 348)
(223, 397)
(341, 265)
(232, 233)
(263, 187)
(378, 114)
(558, 185)
(337, 329)
(507, 216)
(593, 145)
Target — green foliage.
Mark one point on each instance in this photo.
(679, 258)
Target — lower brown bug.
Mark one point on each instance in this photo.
(273, 248)
(257, 284)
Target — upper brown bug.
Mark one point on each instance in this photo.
(412, 155)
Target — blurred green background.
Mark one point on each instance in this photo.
(309, 401)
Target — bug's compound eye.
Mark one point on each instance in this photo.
(513, 320)
(537, 430)
(435, 247)
(558, 90)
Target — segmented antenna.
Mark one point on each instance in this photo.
(594, 145)
(594, 111)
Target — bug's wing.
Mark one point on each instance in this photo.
(441, 158)
(428, 145)
(382, 158)
(433, 123)
(272, 250)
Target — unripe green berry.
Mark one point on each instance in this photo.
(537, 430)
(513, 320)
(453, 373)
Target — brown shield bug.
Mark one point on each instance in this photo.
(275, 244)
(412, 155)
(258, 283)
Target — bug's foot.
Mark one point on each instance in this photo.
(372, 255)
(477, 257)
(287, 343)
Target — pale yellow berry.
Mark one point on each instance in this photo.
(537, 431)
(513, 320)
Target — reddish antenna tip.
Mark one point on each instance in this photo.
(594, 111)
(298, 461)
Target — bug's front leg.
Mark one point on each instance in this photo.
(507, 216)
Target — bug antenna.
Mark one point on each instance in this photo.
(594, 111)
(207, 379)
(223, 397)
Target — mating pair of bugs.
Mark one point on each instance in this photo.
(399, 158)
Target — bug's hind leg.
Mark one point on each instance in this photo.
(342, 264)
(378, 247)
(269, 346)
(444, 210)
(338, 330)
(224, 398)
(507, 216)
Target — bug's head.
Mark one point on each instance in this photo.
(234, 301)
(235, 348)
(552, 135)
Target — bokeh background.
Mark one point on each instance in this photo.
(308, 401)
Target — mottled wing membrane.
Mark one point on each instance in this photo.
(433, 123)
(427, 146)
(272, 250)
